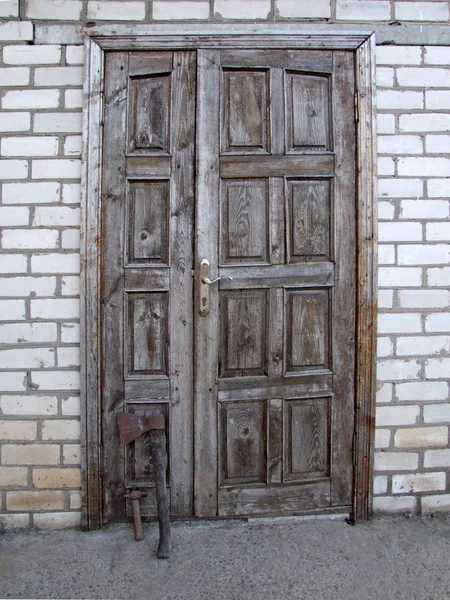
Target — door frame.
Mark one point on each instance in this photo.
(104, 38)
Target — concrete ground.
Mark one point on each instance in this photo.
(387, 558)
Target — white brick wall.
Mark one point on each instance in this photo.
(40, 120)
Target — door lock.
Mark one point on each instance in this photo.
(205, 282)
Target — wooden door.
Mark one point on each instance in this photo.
(274, 390)
(245, 158)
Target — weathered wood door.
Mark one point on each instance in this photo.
(245, 158)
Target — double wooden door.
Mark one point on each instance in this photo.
(244, 159)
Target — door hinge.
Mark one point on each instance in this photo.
(354, 449)
(356, 107)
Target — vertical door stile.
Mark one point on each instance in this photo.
(206, 338)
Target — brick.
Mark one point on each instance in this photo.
(425, 76)
(421, 390)
(438, 232)
(400, 188)
(439, 277)
(13, 169)
(399, 232)
(30, 454)
(386, 210)
(9, 8)
(307, 9)
(27, 358)
(18, 121)
(55, 263)
(437, 99)
(73, 98)
(421, 11)
(395, 504)
(422, 345)
(423, 298)
(18, 430)
(47, 9)
(385, 123)
(73, 145)
(30, 146)
(59, 429)
(24, 500)
(31, 99)
(386, 166)
(12, 310)
(363, 10)
(438, 187)
(70, 406)
(399, 55)
(418, 482)
(399, 276)
(423, 166)
(384, 393)
(29, 405)
(14, 76)
(13, 476)
(393, 370)
(28, 238)
(65, 168)
(387, 99)
(234, 9)
(436, 503)
(437, 144)
(32, 55)
(13, 263)
(424, 209)
(31, 193)
(11, 216)
(28, 286)
(117, 11)
(70, 333)
(382, 438)
(424, 122)
(13, 381)
(16, 31)
(437, 55)
(437, 368)
(386, 254)
(399, 144)
(385, 347)
(385, 77)
(27, 333)
(69, 33)
(68, 122)
(380, 484)
(57, 520)
(61, 216)
(423, 254)
(75, 55)
(56, 478)
(397, 415)
(436, 458)
(71, 239)
(14, 522)
(56, 380)
(396, 461)
(55, 308)
(437, 322)
(68, 357)
(71, 193)
(75, 500)
(421, 437)
(399, 323)
(71, 454)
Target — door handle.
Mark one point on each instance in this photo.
(204, 284)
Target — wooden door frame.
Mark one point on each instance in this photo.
(103, 38)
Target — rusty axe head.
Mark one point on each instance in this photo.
(132, 426)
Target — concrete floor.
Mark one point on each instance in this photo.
(387, 558)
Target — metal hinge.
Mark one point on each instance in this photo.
(356, 107)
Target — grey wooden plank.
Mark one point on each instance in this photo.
(310, 165)
(277, 221)
(289, 276)
(149, 63)
(303, 385)
(206, 330)
(181, 282)
(141, 279)
(148, 166)
(277, 110)
(275, 440)
(149, 388)
(301, 60)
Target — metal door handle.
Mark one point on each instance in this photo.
(204, 284)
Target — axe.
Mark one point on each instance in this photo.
(130, 428)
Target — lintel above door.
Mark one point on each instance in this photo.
(100, 40)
